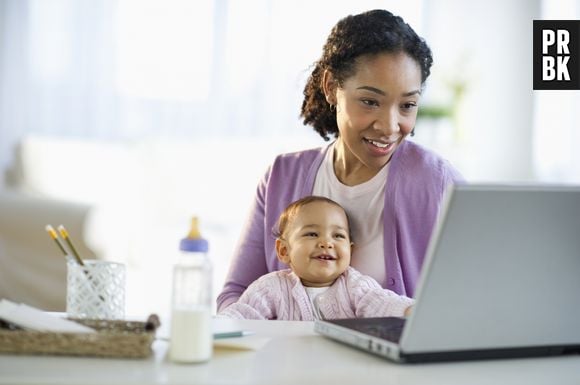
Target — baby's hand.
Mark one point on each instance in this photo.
(408, 311)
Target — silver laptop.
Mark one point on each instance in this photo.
(501, 278)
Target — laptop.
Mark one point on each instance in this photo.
(501, 278)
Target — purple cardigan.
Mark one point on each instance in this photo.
(416, 183)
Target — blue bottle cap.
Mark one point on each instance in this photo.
(194, 244)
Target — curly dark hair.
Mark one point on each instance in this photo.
(367, 33)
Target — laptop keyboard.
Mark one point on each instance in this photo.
(389, 329)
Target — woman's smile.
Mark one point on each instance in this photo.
(379, 147)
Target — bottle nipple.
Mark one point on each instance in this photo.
(194, 229)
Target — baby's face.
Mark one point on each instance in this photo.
(317, 244)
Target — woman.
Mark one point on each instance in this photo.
(364, 91)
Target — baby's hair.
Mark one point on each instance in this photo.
(287, 216)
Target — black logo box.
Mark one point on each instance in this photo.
(573, 28)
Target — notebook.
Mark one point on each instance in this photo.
(501, 278)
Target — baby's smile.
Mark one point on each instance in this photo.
(325, 257)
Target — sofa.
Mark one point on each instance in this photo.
(32, 268)
(129, 202)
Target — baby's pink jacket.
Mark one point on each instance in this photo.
(280, 295)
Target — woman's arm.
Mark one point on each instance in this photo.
(249, 259)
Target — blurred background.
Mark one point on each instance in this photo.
(139, 114)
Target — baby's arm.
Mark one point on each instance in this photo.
(383, 303)
(239, 310)
(255, 303)
(369, 299)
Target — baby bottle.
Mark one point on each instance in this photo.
(191, 332)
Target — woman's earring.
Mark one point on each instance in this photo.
(413, 132)
(332, 107)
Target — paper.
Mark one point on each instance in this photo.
(243, 343)
(28, 317)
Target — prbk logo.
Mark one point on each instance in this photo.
(556, 54)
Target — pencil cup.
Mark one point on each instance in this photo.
(95, 290)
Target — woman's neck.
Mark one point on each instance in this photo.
(349, 170)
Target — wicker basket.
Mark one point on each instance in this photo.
(115, 339)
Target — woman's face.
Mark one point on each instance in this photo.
(376, 109)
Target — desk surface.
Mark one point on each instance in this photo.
(293, 355)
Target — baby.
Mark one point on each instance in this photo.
(313, 239)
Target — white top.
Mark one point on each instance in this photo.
(364, 205)
(313, 293)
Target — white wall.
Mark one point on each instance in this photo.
(488, 43)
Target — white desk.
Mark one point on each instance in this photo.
(294, 355)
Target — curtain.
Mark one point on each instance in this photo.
(179, 69)
(132, 69)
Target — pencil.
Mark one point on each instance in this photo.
(52, 232)
(234, 334)
(64, 234)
